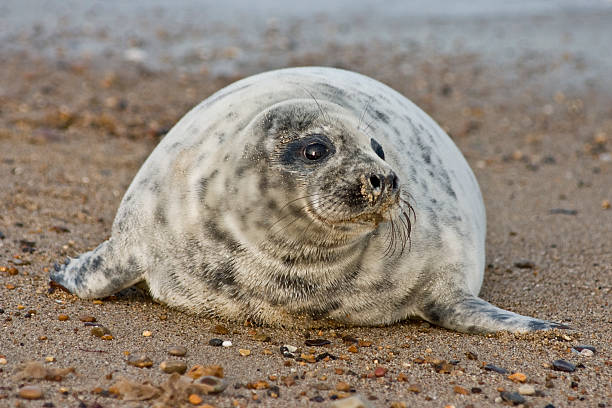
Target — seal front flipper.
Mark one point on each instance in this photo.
(470, 314)
(98, 273)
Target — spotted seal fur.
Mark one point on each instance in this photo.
(301, 197)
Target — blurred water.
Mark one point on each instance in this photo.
(228, 34)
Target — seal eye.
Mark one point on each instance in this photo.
(315, 151)
(377, 149)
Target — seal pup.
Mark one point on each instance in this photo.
(303, 197)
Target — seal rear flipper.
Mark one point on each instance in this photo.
(97, 273)
(470, 314)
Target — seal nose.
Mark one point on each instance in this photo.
(380, 183)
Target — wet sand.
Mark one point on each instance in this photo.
(536, 128)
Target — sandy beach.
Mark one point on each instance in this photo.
(524, 92)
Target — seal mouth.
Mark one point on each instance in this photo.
(396, 212)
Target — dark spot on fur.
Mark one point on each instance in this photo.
(160, 215)
(382, 116)
(96, 261)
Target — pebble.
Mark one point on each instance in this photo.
(290, 348)
(87, 319)
(471, 356)
(586, 353)
(518, 377)
(198, 371)
(317, 342)
(3, 361)
(30, 392)
(147, 333)
(227, 343)
(219, 329)
(178, 351)
(195, 399)
(351, 402)
(212, 385)
(215, 342)
(342, 386)
(244, 352)
(583, 347)
(491, 367)
(380, 371)
(140, 361)
(524, 264)
(62, 317)
(460, 390)
(100, 331)
(526, 389)
(562, 365)
(173, 366)
(513, 397)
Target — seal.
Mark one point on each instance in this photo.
(303, 197)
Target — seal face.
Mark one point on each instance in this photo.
(303, 196)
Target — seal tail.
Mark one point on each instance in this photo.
(470, 314)
(97, 273)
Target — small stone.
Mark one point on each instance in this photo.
(401, 377)
(87, 319)
(177, 351)
(513, 397)
(605, 204)
(353, 349)
(211, 385)
(3, 361)
(526, 389)
(107, 337)
(49, 359)
(586, 353)
(562, 365)
(290, 348)
(219, 329)
(195, 399)
(414, 388)
(460, 390)
(30, 392)
(491, 367)
(227, 343)
(198, 371)
(471, 356)
(264, 338)
(518, 377)
(476, 390)
(398, 404)
(244, 352)
(351, 402)
(310, 358)
(364, 343)
(524, 264)
(380, 371)
(147, 333)
(99, 331)
(215, 342)
(173, 366)
(342, 386)
(62, 317)
(140, 361)
(584, 347)
(317, 342)
(258, 385)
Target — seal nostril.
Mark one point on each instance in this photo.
(375, 181)
(394, 181)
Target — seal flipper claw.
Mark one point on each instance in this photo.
(98, 273)
(470, 314)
